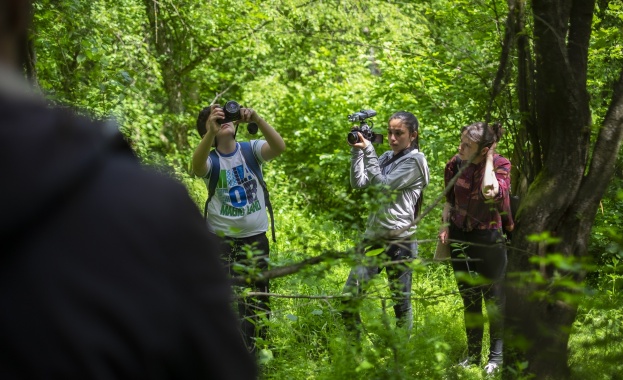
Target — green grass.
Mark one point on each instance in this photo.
(307, 339)
(596, 344)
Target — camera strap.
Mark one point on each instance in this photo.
(236, 131)
(396, 156)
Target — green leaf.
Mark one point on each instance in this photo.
(375, 252)
(265, 356)
(364, 365)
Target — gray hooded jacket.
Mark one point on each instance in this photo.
(406, 178)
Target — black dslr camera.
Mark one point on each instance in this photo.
(231, 109)
(364, 128)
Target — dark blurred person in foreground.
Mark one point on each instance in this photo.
(107, 270)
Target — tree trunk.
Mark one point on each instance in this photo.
(562, 199)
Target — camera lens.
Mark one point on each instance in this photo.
(252, 128)
(353, 138)
(231, 107)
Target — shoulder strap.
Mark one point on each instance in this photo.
(418, 205)
(249, 158)
(215, 172)
(396, 156)
(251, 161)
(417, 208)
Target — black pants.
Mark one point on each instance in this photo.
(484, 263)
(399, 277)
(242, 255)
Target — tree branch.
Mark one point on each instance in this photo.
(580, 23)
(340, 296)
(202, 47)
(606, 149)
(287, 270)
(509, 36)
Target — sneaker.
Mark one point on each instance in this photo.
(492, 368)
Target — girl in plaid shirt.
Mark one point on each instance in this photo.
(476, 209)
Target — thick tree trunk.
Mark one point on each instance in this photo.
(540, 311)
(538, 335)
(542, 297)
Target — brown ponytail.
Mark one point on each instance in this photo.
(482, 133)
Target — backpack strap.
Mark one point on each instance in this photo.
(417, 208)
(215, 168)
(252, 163)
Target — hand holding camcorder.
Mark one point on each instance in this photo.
(364, 128)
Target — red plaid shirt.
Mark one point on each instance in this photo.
(470, 210)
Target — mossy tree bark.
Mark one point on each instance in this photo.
(564, 196)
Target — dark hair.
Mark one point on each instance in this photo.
(484, 134)
(411, 122)
(413, 125)
(15, 20)
(15, 16)
(201, 121)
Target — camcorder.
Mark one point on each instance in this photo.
(231, 109)
(364, 128)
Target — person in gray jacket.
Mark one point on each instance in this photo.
(390, 230)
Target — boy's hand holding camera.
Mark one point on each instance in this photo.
(216, 114)
(229, 116)
(248, 115)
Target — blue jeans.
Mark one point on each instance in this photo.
(399, 276)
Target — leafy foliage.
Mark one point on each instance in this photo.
(304, 66)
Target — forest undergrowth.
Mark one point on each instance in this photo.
(307, 338)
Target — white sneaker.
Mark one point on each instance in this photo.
(492, 368)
